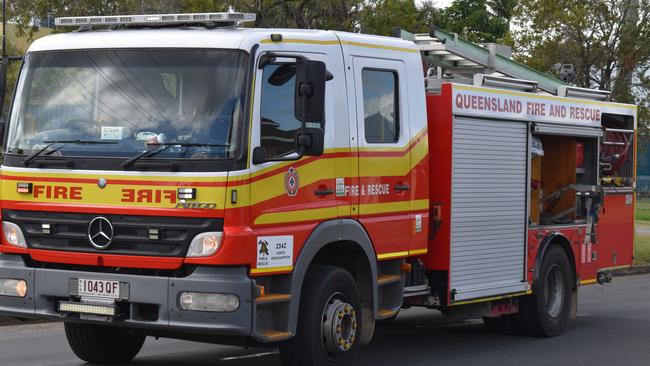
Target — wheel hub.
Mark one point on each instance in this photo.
(554, 296)
(339, 326)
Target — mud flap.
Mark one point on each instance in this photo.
(368, 327)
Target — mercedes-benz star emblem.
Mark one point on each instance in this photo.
(100, 232)
(102, 182)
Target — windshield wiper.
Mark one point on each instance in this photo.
(65, 143)
(160, 147)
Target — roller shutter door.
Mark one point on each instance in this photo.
(488, 219)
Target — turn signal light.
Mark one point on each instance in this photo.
(13, 234)
(205, 244)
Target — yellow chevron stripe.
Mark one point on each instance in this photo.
(296, 216)
(486, 299)
(392, 255)
(336, 42)
(418, 251)
(331, 212)
(271, 270)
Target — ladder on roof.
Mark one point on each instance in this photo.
(460, 57)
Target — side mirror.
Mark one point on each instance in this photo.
(259, 155)
(311, 77)
(311, 141)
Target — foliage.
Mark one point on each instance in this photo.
(473, 20)
(383, 16)
(606, 41)
(502, 8)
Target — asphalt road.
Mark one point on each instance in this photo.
(613, 328)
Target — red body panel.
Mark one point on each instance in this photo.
(615, 228)
(440, 147)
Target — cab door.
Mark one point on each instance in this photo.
(384, 154)
(290, 198)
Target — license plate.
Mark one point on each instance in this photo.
(99, 288)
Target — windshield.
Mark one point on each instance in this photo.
(130, 100)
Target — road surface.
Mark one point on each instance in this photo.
(613, 328)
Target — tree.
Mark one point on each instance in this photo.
(592, 35)
(502, 8)
(472, 20)
(606, 41)
(381, 17)
(23, 12)
(307, 14)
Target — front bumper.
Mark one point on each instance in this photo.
(46, 287)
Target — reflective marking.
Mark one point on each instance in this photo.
(254, 355)
(273, 269)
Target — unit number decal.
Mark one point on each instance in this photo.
(274, 251)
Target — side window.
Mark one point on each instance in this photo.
(380, 106)
(278, 122)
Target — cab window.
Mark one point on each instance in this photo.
(278, 122)
(380, 106)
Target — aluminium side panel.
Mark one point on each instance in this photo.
(489, 207)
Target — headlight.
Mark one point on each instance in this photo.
(13, 234)
(218, 303)
(205, 244)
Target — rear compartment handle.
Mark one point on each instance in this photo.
(324, 192)
(402, 187)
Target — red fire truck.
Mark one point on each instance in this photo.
(182, 176)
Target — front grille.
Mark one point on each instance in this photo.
(69, 232)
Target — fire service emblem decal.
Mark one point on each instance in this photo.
(291, 182)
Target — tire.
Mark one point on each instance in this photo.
(327, 291)
(104, 345)
(545, 313)
(500, 325)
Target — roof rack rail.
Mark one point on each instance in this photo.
(464, 59)
(156, 19)
(583, 93)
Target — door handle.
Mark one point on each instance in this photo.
(402, 187)
(324, 192)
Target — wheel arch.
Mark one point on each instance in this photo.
(327, 238)
(563, 242)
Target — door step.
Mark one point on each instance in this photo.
(388, 279)
(272, 335)
(272, 298)
(386, 313)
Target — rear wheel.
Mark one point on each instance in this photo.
(329, 320)
(546, 312)
(100, 344)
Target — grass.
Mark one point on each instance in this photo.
(642, 241)
(642, 209)
(642, 249)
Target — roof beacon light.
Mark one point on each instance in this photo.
(156, 19)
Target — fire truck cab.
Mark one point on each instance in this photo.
(182, 176)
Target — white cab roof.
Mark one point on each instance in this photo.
(196, 37)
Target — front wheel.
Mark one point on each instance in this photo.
(545, 313)
(329, 320)
(104, 345)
